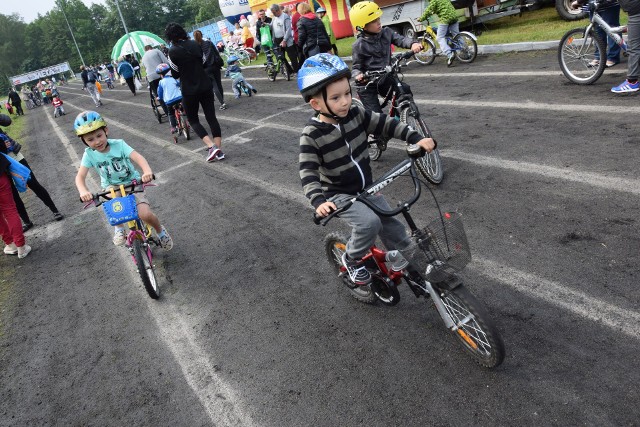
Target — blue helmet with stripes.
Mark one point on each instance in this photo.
(318, 71)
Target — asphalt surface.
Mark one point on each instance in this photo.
(253, 329)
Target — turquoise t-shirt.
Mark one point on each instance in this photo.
(114, 166)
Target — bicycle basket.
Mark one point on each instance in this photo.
(121, 209)
(441, 248)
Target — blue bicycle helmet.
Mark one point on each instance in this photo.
(163, 68)
(87, 122)
(232, 59)
(318, 71)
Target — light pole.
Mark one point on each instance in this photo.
(72, 36)
(133, 50)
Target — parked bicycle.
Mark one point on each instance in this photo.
(405, 109)
(464, 46)
(438, 252)
(273, 69)
(244, 54)
(182, 123)
(141, 237)
(578, 47)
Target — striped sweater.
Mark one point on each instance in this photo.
(334, 161)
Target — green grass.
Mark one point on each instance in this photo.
(17, 128)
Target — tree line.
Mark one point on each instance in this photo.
(47, 40)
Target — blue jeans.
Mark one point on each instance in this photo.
(611, 16)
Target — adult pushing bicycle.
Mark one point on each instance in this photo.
(402, 106)
(428, 264)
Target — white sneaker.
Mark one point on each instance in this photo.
(11, 249)
(119, 237)
(213, 152)
(23, 251)
(166, 242)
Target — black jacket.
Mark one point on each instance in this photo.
(187, 64)
(632, 7)
(373, 52)
(311, 33)
(15, 97)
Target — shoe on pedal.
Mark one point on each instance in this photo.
(119, 237)
(450, 60)
(357, 271)
(166, 242)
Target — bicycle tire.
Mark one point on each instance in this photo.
(145, 269)
(271, 73)
(334, 246)
(252, 53)
(578, 49)
(430, 165)
(155, 108)
(243, 57)
(466, 48)
(185, 127)
(428, 53)
(285, 72)
(478, 335)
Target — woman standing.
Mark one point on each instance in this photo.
(212, 66)
(187, 64)
(312, 36)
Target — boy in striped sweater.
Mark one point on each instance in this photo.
(334, 159)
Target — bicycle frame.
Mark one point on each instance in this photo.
(613, 32)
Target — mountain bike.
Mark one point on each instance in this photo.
(438, 251)
(464, 46)
(402, 107)
(577, 50)
(182, 124)
(279, 66)
(140, 238)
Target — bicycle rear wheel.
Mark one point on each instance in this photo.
(285, 72)
(145, 269)
(428, 53)
(186, 131)
(430, 165)
(577, 56)
(243, 57)
(466, 48)
(251, 52)
(335, 245)
(473, 327)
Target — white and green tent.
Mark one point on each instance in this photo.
(139, 39)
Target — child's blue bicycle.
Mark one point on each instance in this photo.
(141, 237)
(242, 87)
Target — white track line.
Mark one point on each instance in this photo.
(219, 400)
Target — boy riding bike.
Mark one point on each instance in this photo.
(169, 92)
(234, 72)
(112, 159)
(448, 24)
(372, 51)
(334, 159)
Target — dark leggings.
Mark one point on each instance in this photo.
(132, 86)
(38, 189)
(206, 99)
(216, 78)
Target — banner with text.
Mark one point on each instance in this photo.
(40, 74)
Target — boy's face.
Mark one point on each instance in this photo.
(374, 26)
(338, 99)
(97, 140)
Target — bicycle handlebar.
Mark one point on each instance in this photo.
(414, 151)
(133, 187)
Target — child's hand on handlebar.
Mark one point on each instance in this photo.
(428, 144)
(325, 209)
(416, 47)
(86, 196)
(147, 177)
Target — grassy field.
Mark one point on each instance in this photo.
(536, 25)
(17, 127)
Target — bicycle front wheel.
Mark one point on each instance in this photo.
(578, 56)
(145, 269)
(466, 48)
(430, 165)
(428, 53)
(473, 327)
(335, 245)
(285, 72)
(243, 57)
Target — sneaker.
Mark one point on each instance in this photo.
(594, 63)
(213, 152)
(626, 87)
(611, 63)
(450, 60)
(11, 249)
(237, 96)
(254, 90)
(166, 242)
(223, 106)
(358, 273)
(220, 155)
(58, 216)
(23, 251)
(27, 226)
(173, 130)
(119, 237)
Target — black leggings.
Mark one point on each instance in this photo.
(216, 78)
(38, 189)
(132, 86)
(206, 99)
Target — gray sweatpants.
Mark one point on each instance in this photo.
(633, 40)
(366, 226)
(93, 91)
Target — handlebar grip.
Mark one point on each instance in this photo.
(415, 151)
(317, 219)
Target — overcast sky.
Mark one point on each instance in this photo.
(29, 9)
